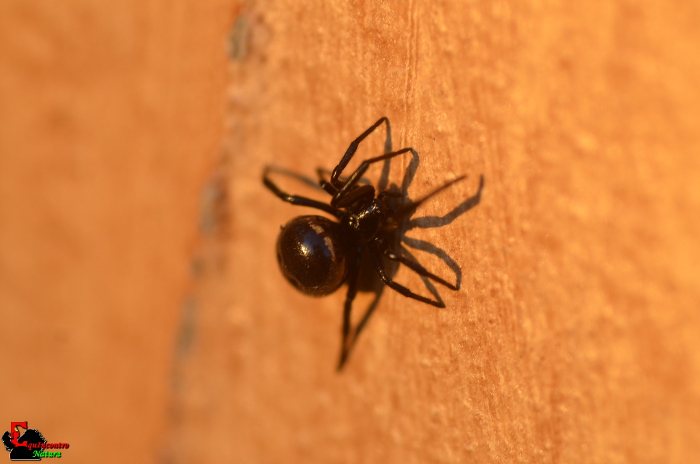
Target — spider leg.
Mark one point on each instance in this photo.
(416, 267)
(350, 152)
(296, 199)
(325, 185)
(398, 287)
(347, 310)
(321, 174)
(343, 189)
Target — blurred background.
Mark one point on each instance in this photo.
(112, 120)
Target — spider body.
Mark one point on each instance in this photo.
(365, 220)
(313, 251)
(317, 255)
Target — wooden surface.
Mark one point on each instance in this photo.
(111, 119)
(167, 333)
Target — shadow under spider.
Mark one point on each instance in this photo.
(368, 280)
(429, 222)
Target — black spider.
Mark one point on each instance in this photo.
(318, 255)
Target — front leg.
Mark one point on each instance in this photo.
(357, 175)
(350, 152)
(296, 199)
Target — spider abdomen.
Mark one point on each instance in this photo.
(313, 254)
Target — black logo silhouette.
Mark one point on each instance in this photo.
(22, 447)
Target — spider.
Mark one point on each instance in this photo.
(317, 255)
